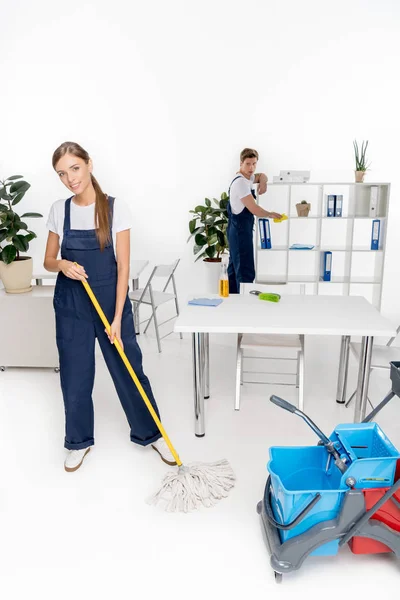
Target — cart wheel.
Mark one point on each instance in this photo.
(278, 577)
(2, 369)
(259, 508)
(56, 369)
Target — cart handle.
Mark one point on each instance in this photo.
(270, 514)
(293, 409)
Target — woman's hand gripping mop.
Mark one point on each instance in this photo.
(193, 485)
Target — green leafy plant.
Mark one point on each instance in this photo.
(208, 228)
(360, 156)
(13, 230)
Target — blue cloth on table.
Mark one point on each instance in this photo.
(205, 301)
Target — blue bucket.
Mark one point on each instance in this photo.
(372, 456)
(297, 475)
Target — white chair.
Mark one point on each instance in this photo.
(280, 345)
(381, 357)
(155, 298)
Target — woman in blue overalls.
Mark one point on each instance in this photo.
(242, 208)
(91, 246)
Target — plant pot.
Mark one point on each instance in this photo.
(303, 209)
(213, 270)
(17, 276)
(360, 176)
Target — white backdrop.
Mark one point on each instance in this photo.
(164, 95)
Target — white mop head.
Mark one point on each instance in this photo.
(195, 485)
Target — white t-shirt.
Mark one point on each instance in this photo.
(82, 217)
(240, 189)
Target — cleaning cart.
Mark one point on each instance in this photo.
(345, 490)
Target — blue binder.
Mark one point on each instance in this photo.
(376, 230)
(265, 234)
(338, 206)
(326, 265)
(330, 206)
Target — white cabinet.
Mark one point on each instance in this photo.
(28, 336)
(356, 269)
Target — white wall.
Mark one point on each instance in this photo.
(164, 95)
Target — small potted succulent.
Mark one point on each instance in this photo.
(361, 161)
(303, 208)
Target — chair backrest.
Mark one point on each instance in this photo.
(282, 289)
(390, 342)
(165, 270)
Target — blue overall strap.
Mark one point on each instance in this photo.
(67, 215)
(237, 177)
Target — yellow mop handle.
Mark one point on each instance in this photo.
(132, 372)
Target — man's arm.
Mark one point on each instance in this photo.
(262, 180)
(256, 210)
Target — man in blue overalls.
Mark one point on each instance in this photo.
(242, 208)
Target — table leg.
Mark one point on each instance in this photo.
(198, 382)
(135, 286)
(206, 366)
(363, 378)
(343, 370)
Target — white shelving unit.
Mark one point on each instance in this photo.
(356, 269)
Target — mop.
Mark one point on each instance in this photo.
(193, 485)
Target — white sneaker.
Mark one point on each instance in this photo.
(75, 459)
(165, 453)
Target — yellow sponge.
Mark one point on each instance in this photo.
(283, 218)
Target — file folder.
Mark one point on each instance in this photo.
(376, 230)
(330, 208)
(265, 234)
(338, 206)
(326, 265)
(374, 201)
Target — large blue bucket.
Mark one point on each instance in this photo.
(297, 475)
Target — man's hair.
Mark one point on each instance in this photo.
(248, 153)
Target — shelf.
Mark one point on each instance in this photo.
(340, 280)
(302, 279)
(302, 218)
(374, 280)
(324, 184)
(354, 249)
(273, 280)
(273, 249)
(366, 249)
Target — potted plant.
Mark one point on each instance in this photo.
(208, 229)
(361, 161)
(303, 208)
(15, 270)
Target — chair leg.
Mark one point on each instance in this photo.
(177, 306)
(239, 366)
(156, 326)
(136, 318)
(351, 398)
(301, 380)
(148, 322)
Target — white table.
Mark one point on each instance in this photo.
(136, 267)
(28, 335)
(302, 315)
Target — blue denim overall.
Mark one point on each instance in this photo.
(241, 253)
(77, 327)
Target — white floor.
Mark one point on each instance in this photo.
(90, 534)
